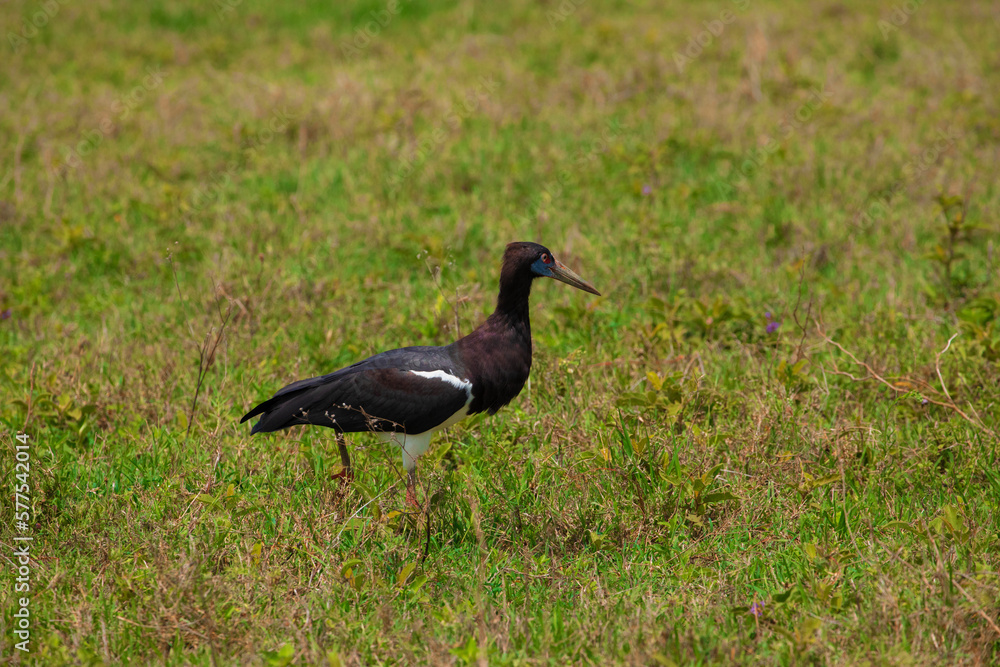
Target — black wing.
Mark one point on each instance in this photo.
(381, 393)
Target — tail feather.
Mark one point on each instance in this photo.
(295, 390)
(273, 418)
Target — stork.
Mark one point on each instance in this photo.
(409, 393)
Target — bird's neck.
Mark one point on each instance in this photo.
(512, 305)
(497, 355)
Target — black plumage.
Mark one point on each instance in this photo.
(417, 390)
(380, 393)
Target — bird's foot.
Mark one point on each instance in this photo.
(346, 476)
(411, 497)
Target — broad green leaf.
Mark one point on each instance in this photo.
(405, 573)
(719, 497)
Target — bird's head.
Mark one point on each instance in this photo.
(537, 261)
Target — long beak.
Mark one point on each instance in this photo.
(562, 273)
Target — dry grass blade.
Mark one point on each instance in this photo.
(872, 374)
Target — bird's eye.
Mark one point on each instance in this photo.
(546, 258)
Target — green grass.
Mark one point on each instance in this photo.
(273, 205)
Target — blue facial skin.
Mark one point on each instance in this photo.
(540, 268)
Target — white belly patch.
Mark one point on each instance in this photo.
(414, 445)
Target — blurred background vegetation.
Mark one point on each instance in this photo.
(773, 440)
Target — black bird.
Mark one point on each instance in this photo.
(409, 393)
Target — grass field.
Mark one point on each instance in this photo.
(772, 441)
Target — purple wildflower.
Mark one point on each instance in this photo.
(767, 315)
(647, 189)
(757, 608)
(924, 401)
(5, 315)
(772, 327)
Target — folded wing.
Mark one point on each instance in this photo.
(409, 390)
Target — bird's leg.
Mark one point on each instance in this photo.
(347, 474)
(411, 487)
(412, 447)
